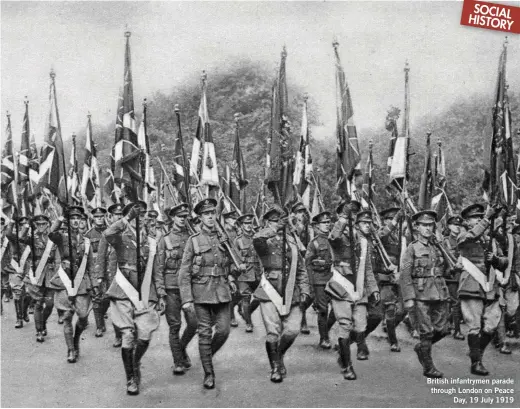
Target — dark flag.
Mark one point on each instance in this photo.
(52, 167)
(90, 184)
(127, 155)
(426, 187)
(146, 167)
(238, 177)
(28, 165)
(440, 202)
(73, 175)
(348, 155)
(302, 179)
(9, 188)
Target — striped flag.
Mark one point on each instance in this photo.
(302, 178)
(9, 188)
(90, 183)
(237, 174)
(73, 176)
(146, 167)
(426, 187)
(317, 205)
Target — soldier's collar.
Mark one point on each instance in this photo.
(423, 240)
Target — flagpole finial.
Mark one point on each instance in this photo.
(370, 144)
(8, 114)
(204, 76)
(335, 42)
(73, 136)
(128, 33)
(52, 73)
(88, 115)
(237, 117)
(439, 142)
(26, 101)
(284, 51)
(144, 103)
(176, 108)
(406, 66)
(305, 97)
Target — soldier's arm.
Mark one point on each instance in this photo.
(185, 273)
(160, 260)
(101, 259)
(337, 230)
(10, 232)
(473, 233)
(54, 233)
(310, 255)
(407, 288)
(260, 241)
(90, 268)
(500, 261)
(114, 231)
(302, 278)
(386, 230)
(371, 283)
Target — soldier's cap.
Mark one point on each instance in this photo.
(358, 172)
(152, 214)
(232, 214)
(143, 206)
(205, 205)
(274, 213)
(84, 216)
(339, 209)
(75, 211)
(22, 219)
(179, 210)
(246, 218)
(389, 213)
(474, 210)
(364, 216)
(98, 211)
(321, 217)
(116, 208)
(425, 217)
(40, 218)
(297, 207)
(456, 220)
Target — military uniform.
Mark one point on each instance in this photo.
(168, 262)
(232, 233)
(5, 260)
(249, 278)
(318, 261)
(136, 322)
(480, 307)
(72, 259)
(204, 279)
(422, 281)
(281, 329)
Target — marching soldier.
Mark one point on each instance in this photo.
(452, 276)
(350, 290)
(73, 281)
(106, 267)
(318, 261)
(423, 287)
(205, 285)
(391, 299)
(230, 219)
(5, 257)
(281, 307)
(249, 276)
(169, 257)
(478, 292)
(151, 224)
(39, 270)
(132, 293)
(83, 224)
(16, 233)
(100, 304)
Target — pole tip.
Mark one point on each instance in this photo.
(89, 114)
(128, 33)
(305, 97)
(176, 108)
(52, 73)
(204, 76)
(237, 117)
(406, 66)
(26, 100)
(284, 51)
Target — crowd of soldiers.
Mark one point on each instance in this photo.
(138, 266)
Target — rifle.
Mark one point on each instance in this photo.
(138, 252)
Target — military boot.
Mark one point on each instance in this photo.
(362, 347)
(274, 360)
(60, 317)
(475, 355)
(457, 334)
(100, 322)
(38, 320)
(207, 364)
(429, 368)
(246, 314)
(69, 340)
(285, 344)
(304, 329)
(26, 303)
(19, 313)
(233, 322)
(140, 348)
(132, 387)
(392, 336)
(118, 340)
(323, 330)
(418, 351)
(345, 360)
(78, 330)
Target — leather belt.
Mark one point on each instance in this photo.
(214, 271)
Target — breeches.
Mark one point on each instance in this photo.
(512, 301)
(391, 302)
(321, 299)
(209, 315)
(17, 285)
(277, 326)
(350, 317)
(133, 323)
(81, 305)
(481, 315)
(432, 316)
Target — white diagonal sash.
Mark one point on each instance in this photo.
(503, 278)
(147, 279)
(5, 242)
(35, 276)
(474, 271)
(79, 274)
(273, 295)
(129, 290)
(18, 267)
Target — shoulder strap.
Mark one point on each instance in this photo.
(195, 242)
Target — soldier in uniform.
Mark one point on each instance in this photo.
(206, 284)
(169, 257)
(83, 224)
(16, 233)
(479, 295)
(249, 275)
(4, 297)
(230, 218)
(423, 287)
(281, 307)
(100, 304)
(106, 266)
(151, 223)
(39, 270)
(350, 290)
(318, 261)
(136, 317)
(391, 299)
(76, 255)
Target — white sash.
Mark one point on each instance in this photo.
(503, 278)
(474, 271)
(79, 274)
(274, 296)
(19, 267)
(35, 276)
(129, 289)
(5, 242)
(355, 294)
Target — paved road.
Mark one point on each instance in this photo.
(37, 375)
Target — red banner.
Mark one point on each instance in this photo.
(492, 16)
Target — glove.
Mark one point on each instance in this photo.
(376, 297)
(233, 287)
(96, 291)
(161, 306)
(491, 211)
(242, 267)
(490, 257)
(409, 304)
(134, 212)
(189, 307)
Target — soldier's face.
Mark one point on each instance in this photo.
(323, 226)
(364, 227)
(473, 221)
(41, 227)
(425, 229)
(116, 217)
(454, 229)
(152, 223)
(300, 215)
(388, 220)
(99, 221)
(208, 218)
(230, 221)
(179, 221)
(82, 224)
(74, 222)
(247, 227)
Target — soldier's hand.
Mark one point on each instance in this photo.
(134, 212)
(409, 304)
(318, 263)
(189, 307)
(376, 297)
(96, 291)
(458, 266)
(161, 306)
(491, 211)
(242, 267)
(233, 287)
(490, 257)
(304, 301)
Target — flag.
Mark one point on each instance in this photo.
(237, 174)
(52, 173)
(501, 186)
(90, 183)
(73, 177)
(280, 160)
(127, 155)
(368, 183)
(440, 202)
(146, 167)
(317, 205)
(9, 188)
(348, 155)
(302, 178)
(426, 187)
(181, 169)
